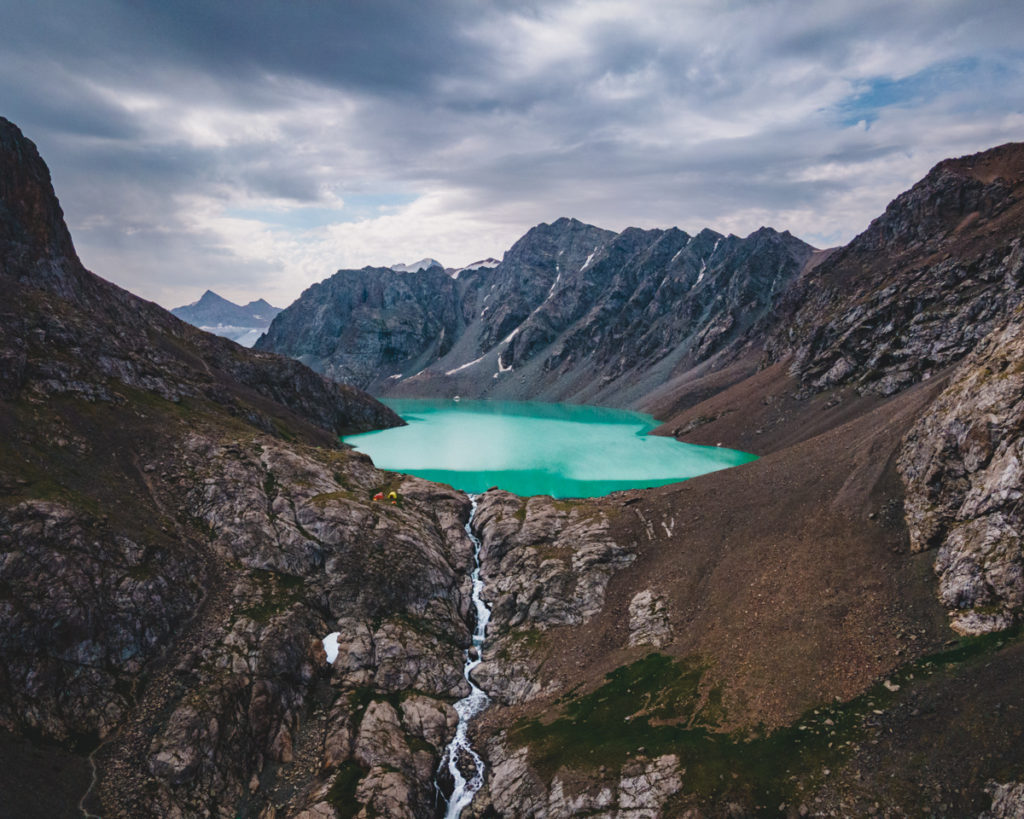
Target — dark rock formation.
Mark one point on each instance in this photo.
(67, 331)
(362, 326)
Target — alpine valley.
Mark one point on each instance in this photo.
(831, 630)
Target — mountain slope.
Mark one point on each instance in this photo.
(920, 287)
(813, 591)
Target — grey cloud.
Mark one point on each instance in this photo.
(428, 98)
(385, 45)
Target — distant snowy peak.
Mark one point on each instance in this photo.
(208, 301)
(482, 264)
(415, 267)
(241, 323)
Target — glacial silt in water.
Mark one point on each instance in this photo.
(531, 448)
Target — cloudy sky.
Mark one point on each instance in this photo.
(254, 148)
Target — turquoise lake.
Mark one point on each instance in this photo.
(531, 448)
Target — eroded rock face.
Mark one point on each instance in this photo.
(1007, 801)
(313, 559)
(89, 607)
(638, 790)
(962, 465)
(362, 326)
(546, 564)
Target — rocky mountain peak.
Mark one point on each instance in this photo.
(572, 310)
(953, 195)
(85, 335)
(564, 243)
(243, 324)
(31, 220)
(920, 287)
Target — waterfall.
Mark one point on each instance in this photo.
(468, 707)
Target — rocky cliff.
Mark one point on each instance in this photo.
(962, 465)
(363, 326)
(572, 311)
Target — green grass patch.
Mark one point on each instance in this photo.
(342, 794)
(422, 626)
(659, 706)
(270, 485)
(142, 573)
(278, 592)
(324, 498)
(532, 638)
(416, 743)
(964, 651)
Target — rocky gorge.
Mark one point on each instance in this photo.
(831, 630)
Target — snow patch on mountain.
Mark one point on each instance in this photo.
(464, 366)
(416, 267)
(485, 264)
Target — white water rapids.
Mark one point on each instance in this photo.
(477, 701)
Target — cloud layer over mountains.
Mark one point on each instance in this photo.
(256, 149)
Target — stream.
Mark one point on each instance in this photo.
(468, 707)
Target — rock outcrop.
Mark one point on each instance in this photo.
(546, 564)
(639, 790)
(648, 620)
(1007, 801)
(962, 464)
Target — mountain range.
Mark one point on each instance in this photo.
(243, 324)
(831, 630)
(572, 312)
